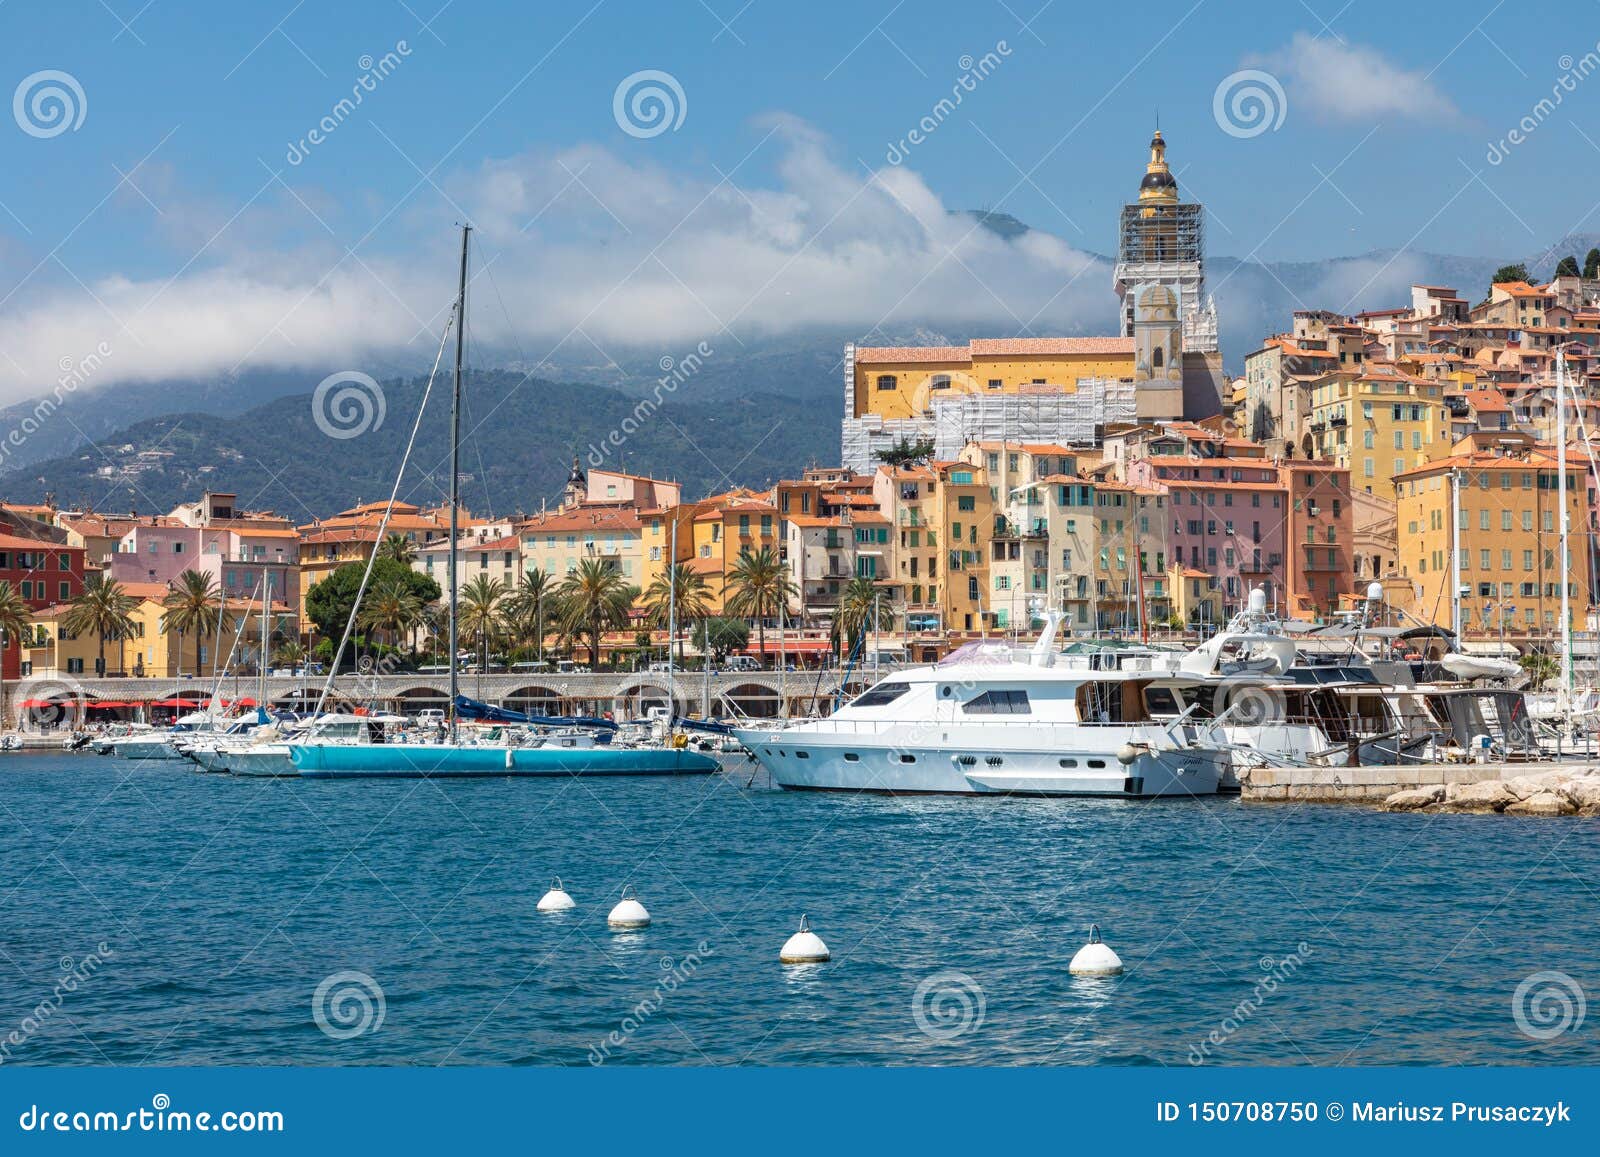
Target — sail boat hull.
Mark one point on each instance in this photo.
(440, 761)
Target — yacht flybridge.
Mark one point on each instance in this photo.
(990, 720)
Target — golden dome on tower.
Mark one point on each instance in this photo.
(1159, 186)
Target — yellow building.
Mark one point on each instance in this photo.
(904, 381)
(964, 518)
(1377, 423)
(908, 497)
(351, 536)
(725, 527)
(1508, 536)
(151, 651)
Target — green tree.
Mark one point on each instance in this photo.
(1568, 267)
(905, 452)
(397, 548)
(594, 598)
(714, 637)
(1591, 265)
(693, 599)
(328, 603)
(1541, 668)
(529, 606)
(758, 586)
(478, 616)
(290, 654)
(854, 614)
(14, 616)
(1516, 272)
(191, 608)
(391, 607)
(103, 608)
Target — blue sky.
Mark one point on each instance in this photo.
(174, 209)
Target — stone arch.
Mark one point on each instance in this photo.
(752, 699)
(635, 699)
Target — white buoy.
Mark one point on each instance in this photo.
(556, 899)
(804, 947)
(1095, 958)
(628, 913)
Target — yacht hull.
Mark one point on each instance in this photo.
(147, 749)
(408, 760)
(819, 762)
(266, 760)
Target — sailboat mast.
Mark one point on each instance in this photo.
(1566, 560)
(455, 475)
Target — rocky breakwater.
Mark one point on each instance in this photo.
(1565, 792)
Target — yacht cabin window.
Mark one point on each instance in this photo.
(998, 703)
(882, 694)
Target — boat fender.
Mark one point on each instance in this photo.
(629, 913)
(1095, 958)
(1127, 754)
(556, 899)
(804, 947)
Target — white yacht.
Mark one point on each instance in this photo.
(988, 720)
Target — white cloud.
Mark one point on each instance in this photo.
(1351, 82)
(586, 247)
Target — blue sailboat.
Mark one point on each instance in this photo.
(578, 751)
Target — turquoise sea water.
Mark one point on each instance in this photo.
(224, 904)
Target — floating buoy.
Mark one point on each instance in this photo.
(556, 899)
(1095, 958)
(628, 913)
(804, 947)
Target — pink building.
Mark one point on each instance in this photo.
(1228, 520)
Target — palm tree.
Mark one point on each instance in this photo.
(759, 586)
(14, 615)
(391, 607)
(689, 590)
(478, 615)
(290, 655)
(103, 608)
(397, 548)
(526, 604)
(192, 606)
(594, 597)
(859, 610)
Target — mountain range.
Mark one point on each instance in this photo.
(761, 408)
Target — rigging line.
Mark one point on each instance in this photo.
(383, 525)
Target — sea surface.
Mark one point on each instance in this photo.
(151, 914)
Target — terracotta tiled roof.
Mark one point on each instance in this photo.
(995, 347)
